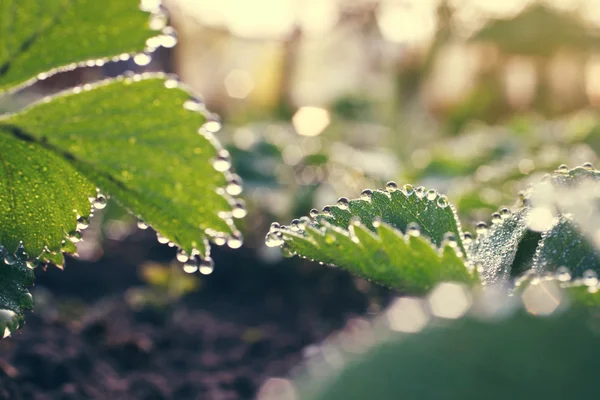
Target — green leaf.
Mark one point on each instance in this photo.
(564, 245)
(495, 248)
(134, 140)
(365, 236)
(36, 36)
(501, 354)
(41, 194)
(15, 276)
(570, 198)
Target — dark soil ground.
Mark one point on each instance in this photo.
(248, 322)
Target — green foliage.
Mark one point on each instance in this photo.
(406, 238)
(548, 228)
(114, 136)
(36, 36)
(15, 276)
(521, 356)
(143, 140)
(41, 194)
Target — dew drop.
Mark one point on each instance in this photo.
(420, 192)
(408, 189)
(505, 213)
(327, 211)
(366, 195)
(99, 201)
(442, 201)
(590, 278)
(75, 236)
(168, 39)
(190, 266)
(479, 267)
(234, 185)
(450, 239)
(223, 161)
(391, 186)
(158, 21)
(496, 218)
(171, 83)
(588, 165)
(295, 225)
(142, 225)
(343, 203)
(563, 274)
(161, 239)
(207, 266)
(194, 104)
(413, 229)
(239, 209)
(314, 213)
(432, 194)
(467, 237)
(481, 228)
(82, 222)
(273, 239)
(275, 226)
(235, 241)
(213, 125)
(562, 168)
(182, 256)
(142, 59)
(220, 239)
(10, 259)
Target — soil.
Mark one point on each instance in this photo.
(248, 322)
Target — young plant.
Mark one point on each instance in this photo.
(144, 140)
(543, 254)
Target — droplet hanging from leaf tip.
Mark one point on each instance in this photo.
(239, 209)
(222, 162)
(142, 225)
(161, 239)
(82, 222)
(213, 125)
(182, 256)
(207, 266)
(235, 240)
(273, 239)
(100, 201)
(234, 185)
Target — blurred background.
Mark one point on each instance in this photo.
(324, 98)
(319, 99)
